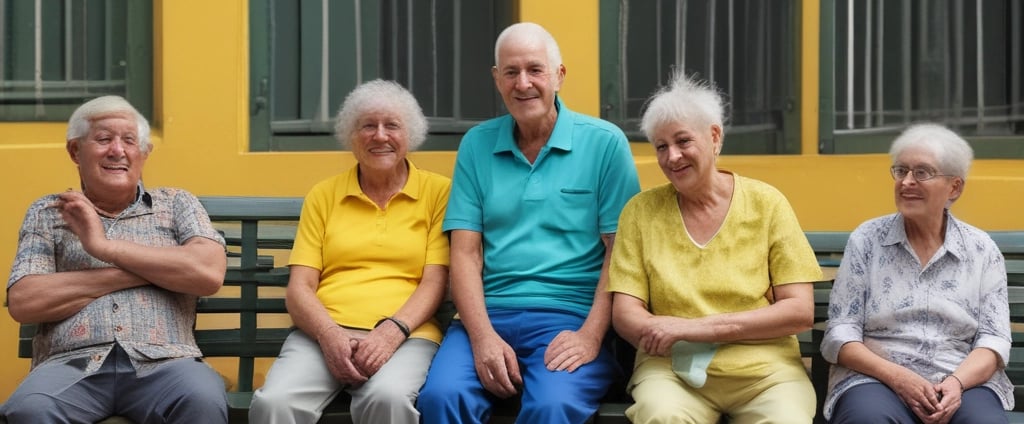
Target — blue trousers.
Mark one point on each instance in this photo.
(185, 391)
(877, 403)
(454, 394)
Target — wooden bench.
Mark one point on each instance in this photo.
(261, 229)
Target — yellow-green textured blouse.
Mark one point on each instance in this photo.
(760, 243)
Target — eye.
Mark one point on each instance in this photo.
(393, 126)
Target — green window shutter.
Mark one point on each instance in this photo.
(897, 63)
(308, 55)
(747, 48)
(56, 55)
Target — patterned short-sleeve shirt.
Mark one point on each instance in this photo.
(152, 324)
(925, 319)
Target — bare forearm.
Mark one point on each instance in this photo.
(424, 301)
(197, 267)
(600, 315)
(629, 316)
(778, 320)
(54, 297)
(856, 356)
(467, 282)
(977, 368)
(307, 313)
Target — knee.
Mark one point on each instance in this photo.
(435, 392)
(201, 403)
(31, 408)
(392, 395)
(267, 399)
(556, 409)
(650, 411)
(863, 415)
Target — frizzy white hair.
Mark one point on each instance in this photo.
(378, 95)
(685, 99)
(81, 119)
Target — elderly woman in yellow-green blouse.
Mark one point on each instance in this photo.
(710, 275)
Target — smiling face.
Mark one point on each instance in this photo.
(919, 200)
(380, 141)
(687, 156)
(109, 157)
(527, 81)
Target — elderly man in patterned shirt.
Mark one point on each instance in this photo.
(111, 274)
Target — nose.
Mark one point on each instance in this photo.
(523, 81)
(116, 147)
(674, 153)
(380, 133)
(908, 179)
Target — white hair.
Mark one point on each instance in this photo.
(381, 95)
(685, 99)
(951, 151)
(81, 119)
(529, 31)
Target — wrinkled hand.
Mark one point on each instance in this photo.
(82, 219)
(337, 347)
(660, 332)
(571, 349)
(917, 393)
(496, 366)
(950, 403)
(376, 348)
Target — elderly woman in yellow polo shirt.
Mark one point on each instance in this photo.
(710, 277)
(368, 271)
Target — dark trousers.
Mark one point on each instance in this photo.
(876, 403)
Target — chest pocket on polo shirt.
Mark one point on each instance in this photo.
(574, 210)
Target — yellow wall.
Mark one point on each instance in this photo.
(201, 64)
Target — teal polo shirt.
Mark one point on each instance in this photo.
(541, 224)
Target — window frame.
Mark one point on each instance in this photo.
(138, 68)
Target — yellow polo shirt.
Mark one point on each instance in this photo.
(371, 260)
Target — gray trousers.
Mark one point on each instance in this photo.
(185, 391)
(299, 386)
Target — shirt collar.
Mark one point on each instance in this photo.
(953, 242)
(411, 188)
(560, 138)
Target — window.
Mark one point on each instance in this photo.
(306, 56)
(55, 55)
(747, 48)
(955, 62)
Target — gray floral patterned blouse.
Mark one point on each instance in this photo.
(150, 323)
(927, 320)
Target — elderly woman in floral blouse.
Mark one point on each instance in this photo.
(919, 326)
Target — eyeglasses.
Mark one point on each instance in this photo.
(919, 174)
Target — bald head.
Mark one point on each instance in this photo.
(528, 33)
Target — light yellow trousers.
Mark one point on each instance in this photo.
(785, 397)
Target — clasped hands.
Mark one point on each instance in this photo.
(353, 360)
(931, 403)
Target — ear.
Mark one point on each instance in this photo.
(560, 77)
(716, 138)
(73, 147)
(957, 190)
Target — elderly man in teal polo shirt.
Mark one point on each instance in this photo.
(534, 207)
